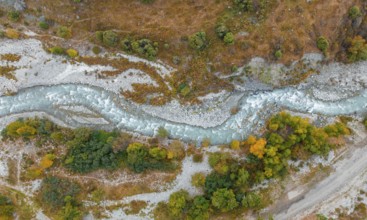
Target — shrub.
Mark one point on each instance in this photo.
(72, 53)
(12, 33)
(96, 50)
(235, 145)
(354, 12)
(144, 47)
(7, 208)
(47, 161)
(198, 41)
(244, 5)
(109, 38)
(64, 32)
(278, 54)
(322, 44)
(221, 30)
(56, 50)
(197, 158)
(147, 1)
(99, 36)
(14, 16)
(162, 133)
(205, 142)
(229, 38)
(365, 122)
(358, 49)
(43, 25)
(198, 180)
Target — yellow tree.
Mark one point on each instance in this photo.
(258, 149)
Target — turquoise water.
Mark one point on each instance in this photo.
(125, 116)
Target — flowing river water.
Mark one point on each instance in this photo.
(123, 115)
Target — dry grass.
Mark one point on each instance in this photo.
(8, 72)
(10, 57)
(292, 26)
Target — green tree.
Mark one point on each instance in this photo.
(158, 153)
(136, 155)
(177, 203)
(55, 190)
(199, 209)
(251, 200)
(216, 181)
(224, 200)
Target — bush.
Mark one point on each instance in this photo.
(198, 180)
(109, 38)
(162, 133)
(96, 50)
(7, 208)
(147, 1)
(198, 41)
(43, 25)
(278, 54)
(244, 5)
(354, 12)
(322, 44)
(365, 122)
(221, 30)
(14, 16)
(229, 38)
(57, 50)
(358, 49)
(197, 158)
(64, 32)
(72, 53)
(144, 47)
(235, 145)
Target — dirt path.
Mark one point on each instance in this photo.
(347, 170)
